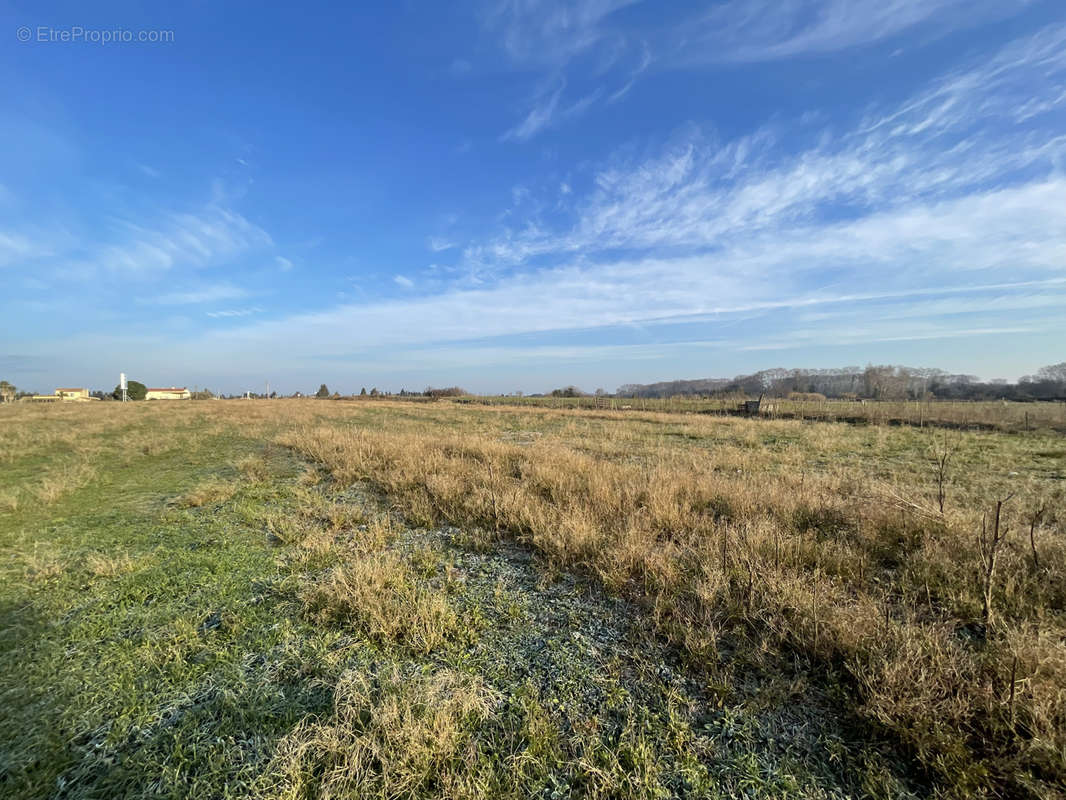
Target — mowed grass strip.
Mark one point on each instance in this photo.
(133, 632)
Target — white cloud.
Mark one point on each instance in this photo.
(589, 43)
(551, 32)
(199, 295)
(191, 240)
(283, 263)
(438, 244)
(550, 36)
(958, 137)
(403, 281)
(548, 112)
(16, 247)
(761, 30)
(895, 213)
(234, 312)
(539, 117)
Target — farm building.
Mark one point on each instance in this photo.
(172, 393)
(64, 395)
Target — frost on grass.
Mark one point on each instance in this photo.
(379, 596)
(389, 735)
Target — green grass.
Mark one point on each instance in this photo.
(128, 630)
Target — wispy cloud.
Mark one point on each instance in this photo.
(403, 280)
(16, 247)
(961, 136)
(873, 227)
(235, 312)
(284, 264)
(762, 30)
(439, 244)
(199, 295)
(551, 32)
(552, 36)
(585, 44)
(547, 112)
(135, 249)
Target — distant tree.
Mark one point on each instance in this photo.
(568, 391)
(374, 392)
(202, 394)
(1056, 373)
(7, 392)
(323, 391)
(451, 391)
(886, 382)
(135, 390)
(362, 392)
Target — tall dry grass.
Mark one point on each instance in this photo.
(378, 595)
(389, 736)
(872, 588)
(977, 414)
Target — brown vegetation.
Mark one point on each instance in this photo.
(732, 550)
(389, 736)
(378, 595)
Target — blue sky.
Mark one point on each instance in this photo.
(526, 194)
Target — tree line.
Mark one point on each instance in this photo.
(877, 382)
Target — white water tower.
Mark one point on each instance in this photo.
(122, 385)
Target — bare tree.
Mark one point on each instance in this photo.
(940, 453)
(990, 541)
(1034, 519)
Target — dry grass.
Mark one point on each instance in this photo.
(9, 499)
(389, 736)
(253, 468)
(104, 565)
(210, 492)
(62, 481)
(964, 414)
(733, 547)
(379, 596)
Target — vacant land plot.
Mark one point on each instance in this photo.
(300, 599)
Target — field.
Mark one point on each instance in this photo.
(319, 599)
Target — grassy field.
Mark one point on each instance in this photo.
(315, 599)
(959, 415)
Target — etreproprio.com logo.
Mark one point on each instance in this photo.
(77, 34)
